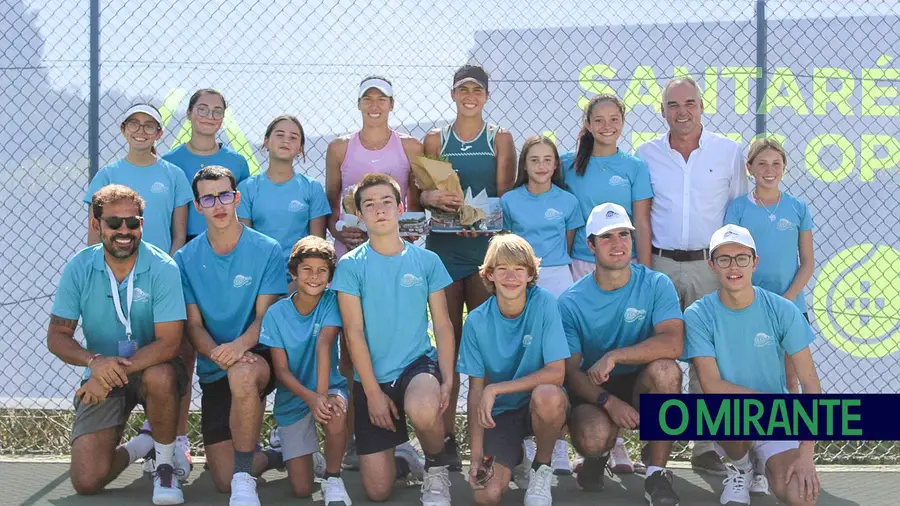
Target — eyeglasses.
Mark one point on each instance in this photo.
(224, 198)
(115, 222)
(204, 111)
(134, 126)
(725, 261)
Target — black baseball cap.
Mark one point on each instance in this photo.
(470, 73)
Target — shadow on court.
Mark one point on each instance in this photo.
(42, 484)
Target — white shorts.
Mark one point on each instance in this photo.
(556, 279)
(580, 268)
(763, 450)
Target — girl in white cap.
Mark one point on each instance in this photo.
(162, 185)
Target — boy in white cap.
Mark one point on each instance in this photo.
(625, 331)
(737, 338)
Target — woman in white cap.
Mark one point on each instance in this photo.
(161, 184)
(374, 148)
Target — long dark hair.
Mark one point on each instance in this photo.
(522, 175)
(585, 137)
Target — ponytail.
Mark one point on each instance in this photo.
(585, 137)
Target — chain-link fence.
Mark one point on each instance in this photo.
(822, 75)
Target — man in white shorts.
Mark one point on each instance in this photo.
(737, 338)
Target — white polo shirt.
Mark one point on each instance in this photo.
(691, 197)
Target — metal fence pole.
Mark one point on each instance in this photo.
(94, 105)
(760, 66)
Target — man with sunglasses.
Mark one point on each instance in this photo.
(128, 295)
(625, 331)
(737, 338)
(231, 275)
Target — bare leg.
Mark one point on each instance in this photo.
(378, 473)
(548, 415)
(422, 402)
(96, 461)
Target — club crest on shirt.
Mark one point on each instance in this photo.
(552, 214)
(315, 330)
(761, 340)
(140, 295)
(410, 280)
(158, 188)
(633, 314)
(295, 206)
(617, 181)
(527, 340)
(784, 224)
(241, 280)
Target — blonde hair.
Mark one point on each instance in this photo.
(762, 144)
(509, 249)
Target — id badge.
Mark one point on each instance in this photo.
(127, 348)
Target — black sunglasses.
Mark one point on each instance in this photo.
(115, 222)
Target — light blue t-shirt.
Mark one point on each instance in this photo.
(284, 327)
(191, 164)
(84, 292)
(393, 292)
(777, 240)
(748, 344)
(225, 287)
(619, 178)
(282, 211)
(163, 187)
(506, 349)
(543, 221)
(598, 321)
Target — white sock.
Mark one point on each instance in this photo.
(743, 464)
(165, 454)
(138, 447)
(653, 469)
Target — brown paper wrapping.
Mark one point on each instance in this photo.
(433, 174)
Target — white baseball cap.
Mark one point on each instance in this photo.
(144, 108)
(606, 217)
(731, 234)
(377, 83)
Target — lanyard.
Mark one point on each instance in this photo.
(114, 287)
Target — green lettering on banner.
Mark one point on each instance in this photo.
(685, 418)
(829, 405)
(872, 92)
(770, 135)
(799, 411)
(816, 170)
(638, 138)
(643, 79)
(704, 419)
(839, 97)
(847, 417)
(871, 162)
(778, 418)
(741, 76)
(710, 87)
(588, 80)
(783, 78)
(550, 135)
(752, 418)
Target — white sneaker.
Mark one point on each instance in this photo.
(737, 485)
(521, 474)
(539, 486)
(436, 487)
(416, 462)
(149, 464)
(335, 493)
(275, 439)
(184, 463)
(319, 466)
(243, 491)
(166, 488)
(619, 460)
(760, 484)
(560, 460)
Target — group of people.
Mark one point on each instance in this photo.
(611, 268)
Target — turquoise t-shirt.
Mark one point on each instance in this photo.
(598, 321)
(619, 178)
(84, 292)
(225, 287)
(748, 344)
(393, 292)
(777, 238)
(282, 211)
(543, 221)
(284, 327)
(191, 165)
(162, 186)
(506, 349)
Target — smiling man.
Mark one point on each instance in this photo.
(695, 175)
(737, 338)
(128, 296)
(625, 330)
(231, 275)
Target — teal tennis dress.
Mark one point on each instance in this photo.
(476, 164)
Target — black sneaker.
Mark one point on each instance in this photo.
(590, 476)
(451, 454)
(658, 489)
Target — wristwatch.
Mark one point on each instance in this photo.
(602, 397)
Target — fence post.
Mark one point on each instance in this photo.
(760, 66)
(94, 103)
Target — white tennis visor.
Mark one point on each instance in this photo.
(146, 109)
(379, 84)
